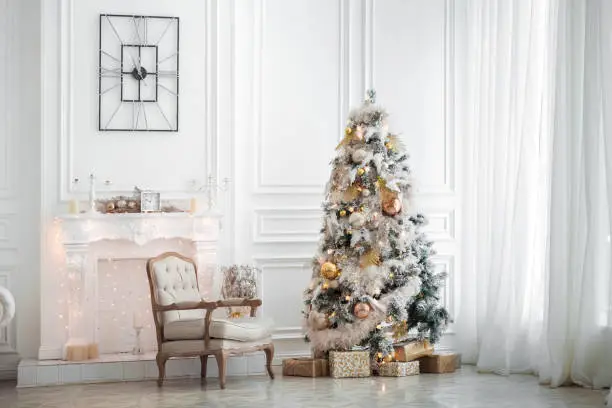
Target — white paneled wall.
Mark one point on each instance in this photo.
(19, 176)
(266, 86)
(300, 66)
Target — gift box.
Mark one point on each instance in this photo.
(344, 364)
(306, 367)
(399, 369)
(412, 350)
(439, 363)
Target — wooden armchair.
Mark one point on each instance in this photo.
(185, 325)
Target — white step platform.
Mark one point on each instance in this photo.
(128, 367)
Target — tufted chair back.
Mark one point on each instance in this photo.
(173, 279)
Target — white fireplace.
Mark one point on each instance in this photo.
(106, 276)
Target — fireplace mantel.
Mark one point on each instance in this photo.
(139, 228)
(80, 235)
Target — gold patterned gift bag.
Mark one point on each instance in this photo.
(344, 364)
(399, 369)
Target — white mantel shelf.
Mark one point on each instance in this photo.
(139, 228)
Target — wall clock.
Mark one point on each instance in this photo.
(138, 73)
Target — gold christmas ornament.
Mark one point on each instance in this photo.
(388, 358)
(329, 271)
(392, 204)
(110, 206)
(362, 310)
(361, 171)
(342, 213)
(348, 130)
(351, 209)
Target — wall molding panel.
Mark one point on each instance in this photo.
(274, 225)
(261, 184)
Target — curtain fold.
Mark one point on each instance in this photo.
(536, 131)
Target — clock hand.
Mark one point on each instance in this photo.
(138, 68)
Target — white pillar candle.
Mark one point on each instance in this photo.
(193, 205)
(73, 206)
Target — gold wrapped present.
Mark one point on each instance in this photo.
(349, 364)
(399, 369)
(306, 367)
(439, 363)
(413, 350)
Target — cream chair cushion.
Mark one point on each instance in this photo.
(175, 282)
(184, 330)
(247, 329)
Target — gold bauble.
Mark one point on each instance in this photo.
(342, 213)
(348, 130)
(351, 209)
(110, 206)
(329, 271)
(388, 358)
(392, 205)
(362, 310)
(361, 171)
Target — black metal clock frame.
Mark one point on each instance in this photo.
(143, 73)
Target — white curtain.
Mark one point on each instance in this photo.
(536, 106)
(505, 111)
(578, 335)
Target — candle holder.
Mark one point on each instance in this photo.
(211, 187)
(137, 350)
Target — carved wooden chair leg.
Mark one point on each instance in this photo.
(204, 362)
(161, 368)
(269, 350)
(221, 358)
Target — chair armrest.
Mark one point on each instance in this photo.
(239, 302)
(186, 306)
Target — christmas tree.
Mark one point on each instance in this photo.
(373, 281)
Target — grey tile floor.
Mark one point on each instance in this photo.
(464, 389)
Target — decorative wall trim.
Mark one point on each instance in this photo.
(295, 262)
(261, 186)
(266, 233)
(441, 227)
(8, 83)
(6, 231)
(448, 186)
